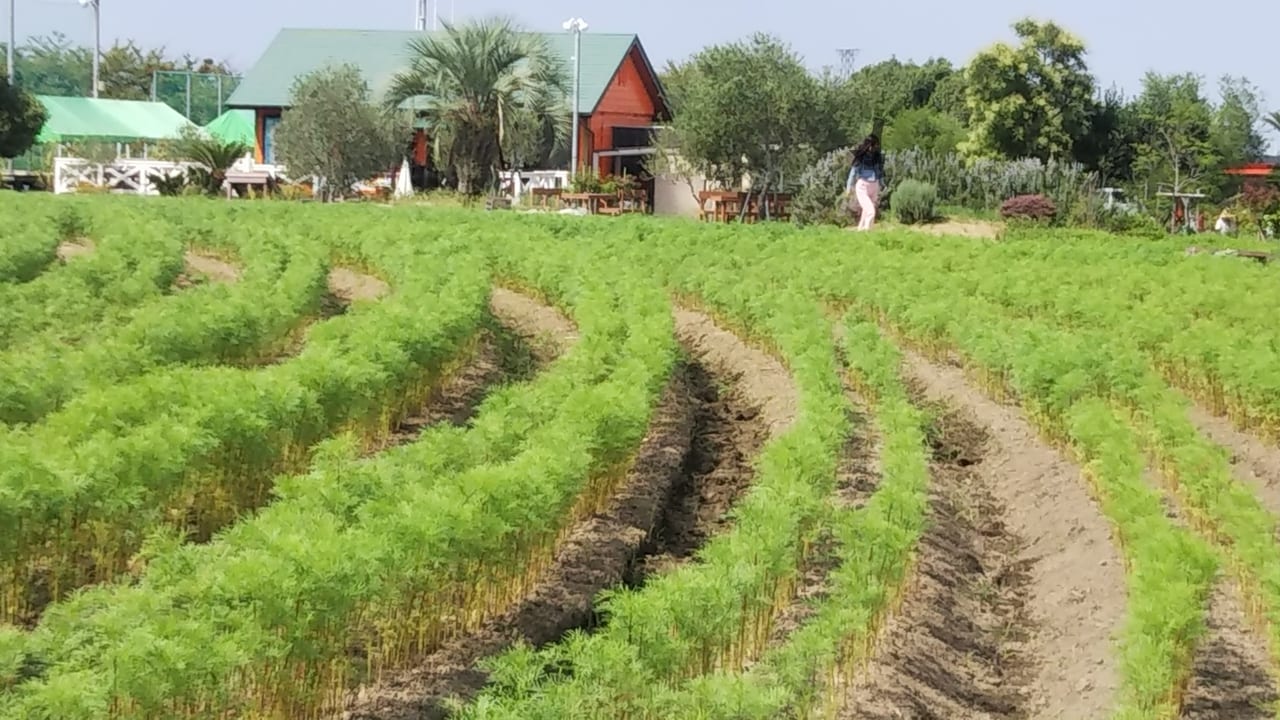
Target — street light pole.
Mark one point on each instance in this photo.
(97, 38)
(13, 37)
(575, 25)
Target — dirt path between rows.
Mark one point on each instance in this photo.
(546, 331)
(350, 286)
(1075, 574)
(762, 379)
(69, 249)
(211, 267)
(958, 645)
(1255, 463)
(1229, 676)
(693, 465)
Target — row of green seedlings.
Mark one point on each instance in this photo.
(1113, 369)
(1168, 590)
(362, 563)
(1195, 317)
(193, 448)
(240, 323)
(718, 610)
(805, 675)
(28, 243)
(131, 265)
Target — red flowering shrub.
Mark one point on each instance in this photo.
(1261, 199)
(1028, 207)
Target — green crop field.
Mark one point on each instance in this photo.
(270, 460)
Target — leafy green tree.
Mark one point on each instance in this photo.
(750, 109)
(1176, 145)
(1109, 146)
(21, 118)
(1030, 100)
(1236, 122)
(475, 83)
(882, 90)
(926, 129)
(332, 130)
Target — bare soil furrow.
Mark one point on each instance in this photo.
(1075, 593)
(1229, 676)
(349, 285)
(208, 266)
(957, 647)
(1254, 462)
(69, 249)
(546, 331)
(729, 433)
(764, 382)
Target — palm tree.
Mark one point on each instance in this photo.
(1273, 120)
(476, 83)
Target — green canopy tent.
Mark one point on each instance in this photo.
(98, 119)
(234, 126)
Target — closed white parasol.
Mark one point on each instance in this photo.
(404, 187)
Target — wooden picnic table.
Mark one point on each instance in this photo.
(591, 200)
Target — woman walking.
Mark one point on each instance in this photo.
(865, 179)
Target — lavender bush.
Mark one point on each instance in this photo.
(976, 185)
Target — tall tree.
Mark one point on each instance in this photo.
(1236, 122)
(750, 109)
(333, 130)
(882, 90)
(1176, 121)
(21, 118)
(1029, 100)
(474, 83)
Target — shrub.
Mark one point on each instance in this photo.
(1134, 224)
(820, 197)
(913, 201)
(1028, 207)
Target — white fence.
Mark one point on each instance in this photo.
(133, 175)
(124, 174)
(531, 179)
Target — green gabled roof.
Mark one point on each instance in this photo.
(234, 125)
(72, 118)
(381, 54)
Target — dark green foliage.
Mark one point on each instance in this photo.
(21, 118)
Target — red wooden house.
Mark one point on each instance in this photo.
(620, 98)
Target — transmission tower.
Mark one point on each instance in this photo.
(848, 60)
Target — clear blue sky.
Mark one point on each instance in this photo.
(1125, 37)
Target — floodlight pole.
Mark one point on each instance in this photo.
(97, 38)
(576, 26)
(13, 37)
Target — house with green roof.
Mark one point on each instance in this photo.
(620, 98)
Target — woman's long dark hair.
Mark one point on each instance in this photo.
(868, 151)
